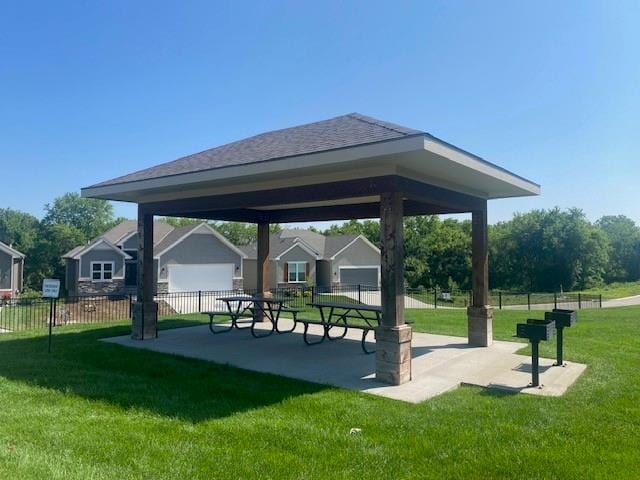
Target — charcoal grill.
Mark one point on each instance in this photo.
(536, 331)
(562, 319)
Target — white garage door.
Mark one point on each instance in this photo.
(210, 277)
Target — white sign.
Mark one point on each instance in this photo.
(50, 288)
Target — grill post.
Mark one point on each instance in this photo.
(535, 364)
(559, 347)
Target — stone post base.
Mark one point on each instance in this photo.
(480, 326)
(393, 354)
(145, 321)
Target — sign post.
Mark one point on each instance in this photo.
(51, 290)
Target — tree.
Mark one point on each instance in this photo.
(545, 250)
(19, 229)
(240, 233)
(46, 257)
(177, 222)
(90, 216)
(370, 229)
(624, 255)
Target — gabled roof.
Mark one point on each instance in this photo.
(180, 233)
(77, 252)
(128, 228)
(327, 246)
(11, 251)
(340, 132)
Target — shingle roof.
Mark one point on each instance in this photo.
(173, 237)
(124, 228)
(340, 132)
(326, 246)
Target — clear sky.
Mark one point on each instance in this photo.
(549, 90)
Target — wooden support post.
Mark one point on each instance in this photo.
(480, 313)
(393, 336)
(145, 309)
(262, 286)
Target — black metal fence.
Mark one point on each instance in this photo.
(26, 314)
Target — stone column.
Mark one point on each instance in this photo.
(262, 264)
(393, 336)
(145, 309)
(480, 313)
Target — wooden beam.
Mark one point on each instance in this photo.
(145, 277)
(480, 314)
(480, 257)
(433, 195)
(392, 259)
(262, 264)
(315, 214)
(279, 196)
(145, 309)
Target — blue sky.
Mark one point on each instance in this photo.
(549, 90)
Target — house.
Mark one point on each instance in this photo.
(190, 258)
(11, 270)
(304, 257)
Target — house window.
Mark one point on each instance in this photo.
(297, 272)
(101, 271)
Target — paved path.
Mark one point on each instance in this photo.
(440, 363)
(374, 298)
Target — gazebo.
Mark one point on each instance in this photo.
(348, 167)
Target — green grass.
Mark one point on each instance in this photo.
(615, 290)
(97, 410)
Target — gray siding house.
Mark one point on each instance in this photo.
(190, 258)
(304, 257)
(11, 271)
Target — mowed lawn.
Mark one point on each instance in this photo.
(97, 410)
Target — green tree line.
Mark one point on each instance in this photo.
(541, 250)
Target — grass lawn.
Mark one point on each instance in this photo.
(616, 290)
(98, 410)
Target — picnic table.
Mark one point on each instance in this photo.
(340, 315)
(255, 306)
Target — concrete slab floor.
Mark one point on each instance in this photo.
(440, 362)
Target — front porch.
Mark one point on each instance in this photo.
(440, 363)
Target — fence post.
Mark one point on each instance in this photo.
(555, 300)
(435, 298)
(130, 306)
(579, 301)
(528, 300)
(199, 300)
(359, 293)
(500, 299)
(600, 299)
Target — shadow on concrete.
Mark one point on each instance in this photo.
(130, 378)
(418, 351)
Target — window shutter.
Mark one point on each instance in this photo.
(286, 272)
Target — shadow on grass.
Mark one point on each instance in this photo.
(164, 384)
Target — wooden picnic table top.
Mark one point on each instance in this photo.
(252, 298)
(344, 305)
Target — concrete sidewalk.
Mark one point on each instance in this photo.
(440, 363)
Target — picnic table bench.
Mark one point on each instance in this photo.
(340, 315)
(251, 305)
